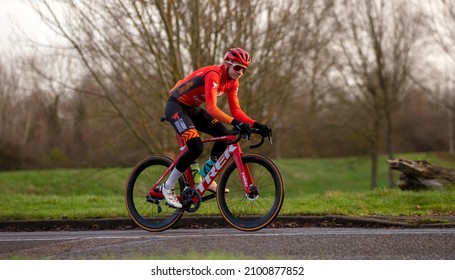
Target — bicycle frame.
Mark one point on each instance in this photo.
(232, 151)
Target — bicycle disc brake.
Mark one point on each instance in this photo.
(191, 200)
(254, 192)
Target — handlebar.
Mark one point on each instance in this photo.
(253, 131)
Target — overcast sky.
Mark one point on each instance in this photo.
(18, 15)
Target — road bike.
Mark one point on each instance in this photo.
(255, 197)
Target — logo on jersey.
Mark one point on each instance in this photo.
(175, 116)
(185, 87)
(215, 85)
(197, 99)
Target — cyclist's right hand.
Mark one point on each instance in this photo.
(244, 128)
(263, 129)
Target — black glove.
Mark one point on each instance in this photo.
(244, 128)
(264, 130)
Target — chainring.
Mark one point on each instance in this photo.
(191, 200)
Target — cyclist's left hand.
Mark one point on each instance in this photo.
(264, 130)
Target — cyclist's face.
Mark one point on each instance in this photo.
(235, 71)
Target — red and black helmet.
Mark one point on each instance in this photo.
(238, 55)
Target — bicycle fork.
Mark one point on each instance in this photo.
(250, 188)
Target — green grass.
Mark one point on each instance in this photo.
(313, 187)
(380, 202)
(63, 182)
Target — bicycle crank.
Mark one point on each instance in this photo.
(191, 200)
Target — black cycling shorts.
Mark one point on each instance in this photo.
(184, 118)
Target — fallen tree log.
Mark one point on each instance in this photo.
(421, 175)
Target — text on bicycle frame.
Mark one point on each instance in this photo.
(217, 167)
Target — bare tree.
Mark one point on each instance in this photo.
(9, 104)
(310, 48)
(136, 50)
(442, 15)
(378, 42)
(438, 79)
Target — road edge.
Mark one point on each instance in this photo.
(218, 221)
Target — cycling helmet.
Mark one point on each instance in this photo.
(238, 55)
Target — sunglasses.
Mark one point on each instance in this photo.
(237, 67)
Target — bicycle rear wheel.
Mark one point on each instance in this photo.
(149, 212)
(257, 210)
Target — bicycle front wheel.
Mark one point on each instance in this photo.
(249, 212)
(149, 212)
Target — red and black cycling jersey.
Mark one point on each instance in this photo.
(205, 85)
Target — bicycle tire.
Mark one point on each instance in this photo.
(147, 214)
(251, 213)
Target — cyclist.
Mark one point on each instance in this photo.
(187, 117)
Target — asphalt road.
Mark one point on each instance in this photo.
(301, 243)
